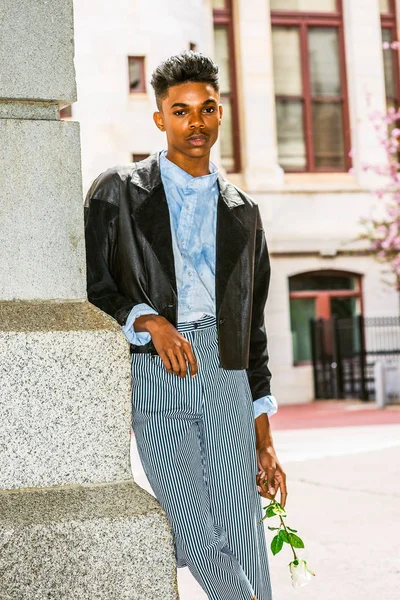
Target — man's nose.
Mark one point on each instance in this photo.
(196, 121)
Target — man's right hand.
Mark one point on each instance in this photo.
(174, 350)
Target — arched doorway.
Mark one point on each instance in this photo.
(327, 331)
(320, 295)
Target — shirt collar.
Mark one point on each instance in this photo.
(183, 179)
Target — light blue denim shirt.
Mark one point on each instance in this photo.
(192, 203)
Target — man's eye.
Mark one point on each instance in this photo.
(210, 109)
(179, 112)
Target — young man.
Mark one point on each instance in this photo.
(177, 255)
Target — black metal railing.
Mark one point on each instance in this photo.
(345, 350)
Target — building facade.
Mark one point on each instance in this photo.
(299, 79)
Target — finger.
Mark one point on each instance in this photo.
(281, 477)
(182, 363)
(262, 486)
(191, 359)
(271, 480)
(174, 362)
(166, 361)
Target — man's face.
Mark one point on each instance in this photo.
(190, 115)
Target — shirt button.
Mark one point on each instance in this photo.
(190, 273)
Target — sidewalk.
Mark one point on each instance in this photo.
(342, 460)
(333, 413)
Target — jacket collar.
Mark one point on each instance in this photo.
(152, 217)
(147, 176)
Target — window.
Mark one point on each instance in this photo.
(225, 58)
(304, 5)
(139, 157)
(66, 112)
(385, 7)
(320, 295)
(137, 81)
(310, 85)
(390, 57)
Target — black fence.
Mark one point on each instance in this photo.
(345, 350)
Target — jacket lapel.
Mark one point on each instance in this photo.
(232, 236)
(152, 215)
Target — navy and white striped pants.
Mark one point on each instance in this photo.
(196, 441)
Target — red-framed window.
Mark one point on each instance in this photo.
(224, 47)
(390, 56)
(320, 295)
(313, 128)
(138, 157)
(137, 75)
(66, 112)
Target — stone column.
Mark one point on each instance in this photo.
(73, 524)
(366, 84)
(256, 89)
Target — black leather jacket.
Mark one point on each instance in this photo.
(130, 261)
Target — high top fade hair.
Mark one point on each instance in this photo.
(182, 68)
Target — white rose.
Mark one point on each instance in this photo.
(300, 572)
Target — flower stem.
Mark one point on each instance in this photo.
(284, 526)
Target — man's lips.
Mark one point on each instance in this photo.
(197, 140)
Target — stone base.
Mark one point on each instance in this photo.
(98, 542)
(65, 396)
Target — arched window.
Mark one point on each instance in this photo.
(320, 295)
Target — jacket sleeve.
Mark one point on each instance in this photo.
(258, 372)
(101, 229)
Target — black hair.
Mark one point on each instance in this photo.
(181, 68)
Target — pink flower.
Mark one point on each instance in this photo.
(352, 170)
(351, 153)
(386, 45)
(396, 132)
(395, 45)
(392, 211)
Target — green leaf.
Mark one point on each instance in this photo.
(270, 511)
(277, 509)
(276, 545)
(290, 529)
(284, 536)
(273, 528)
(296, 541)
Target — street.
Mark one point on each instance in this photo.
(343, 476)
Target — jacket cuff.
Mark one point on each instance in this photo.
(266, 404)
(139, 338)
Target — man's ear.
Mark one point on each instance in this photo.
(159, 120)
(221, 112)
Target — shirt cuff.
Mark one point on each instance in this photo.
(139, 338)
(266, 404)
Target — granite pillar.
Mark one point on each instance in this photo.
(73, 523)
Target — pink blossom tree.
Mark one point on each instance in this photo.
(382, 230)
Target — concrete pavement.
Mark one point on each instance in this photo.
(344, 499)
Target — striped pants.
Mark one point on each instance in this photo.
(196, 441)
